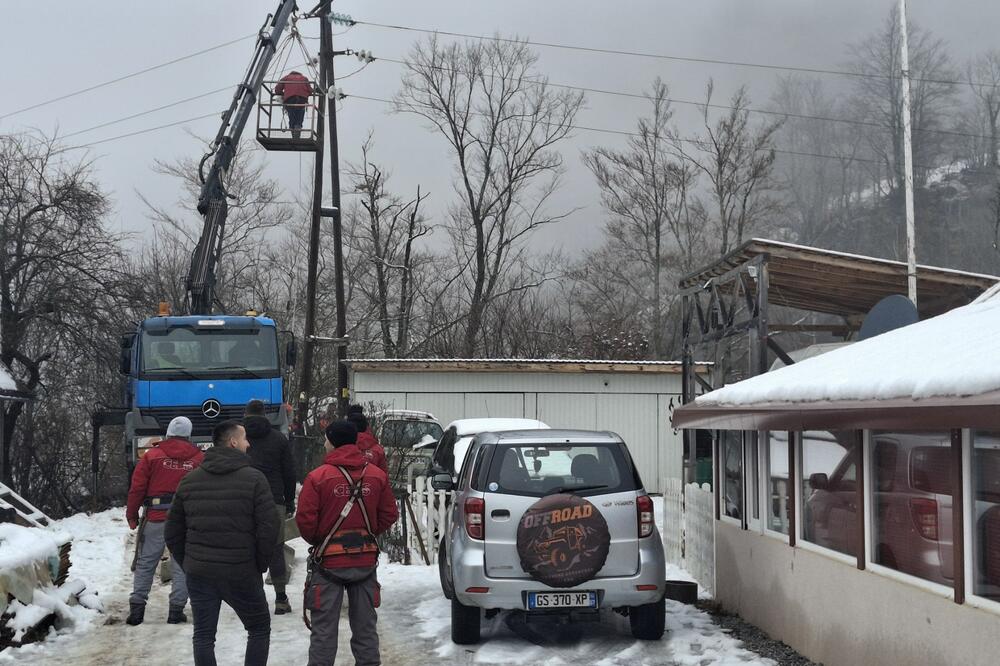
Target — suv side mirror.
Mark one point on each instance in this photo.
(442, 482)
(819, 481)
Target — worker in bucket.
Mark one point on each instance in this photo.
(154, 482)
(294, 90)
(344, 504)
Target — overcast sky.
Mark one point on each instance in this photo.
(55, 47)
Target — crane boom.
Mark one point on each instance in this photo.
(212, 201)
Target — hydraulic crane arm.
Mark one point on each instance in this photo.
(212, 202)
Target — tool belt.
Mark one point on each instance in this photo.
(351, 542)
(158, 502)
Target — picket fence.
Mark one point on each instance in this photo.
(426, 526)
(689, 529)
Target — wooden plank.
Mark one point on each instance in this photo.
(501, 365)
(958, 516)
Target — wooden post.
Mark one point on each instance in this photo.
(861, 501)
(958, 516)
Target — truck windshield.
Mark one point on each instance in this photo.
(198, 352)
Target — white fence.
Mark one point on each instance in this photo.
(426, 525)
(689, 529)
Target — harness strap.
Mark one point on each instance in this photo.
(356, 491)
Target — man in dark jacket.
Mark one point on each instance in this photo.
(271, 454)
(222, 529)
(346, 557)
(154, 481)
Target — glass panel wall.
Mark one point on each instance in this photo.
(731, 451)
(912, 504)
(829, 463)
(777, 482)
(985, 503)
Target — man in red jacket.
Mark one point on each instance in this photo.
(367, 442)
(294, 89)
(154, 482)
(343, 505)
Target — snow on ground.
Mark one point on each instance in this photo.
(414, 623)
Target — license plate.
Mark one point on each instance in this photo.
(543, 600)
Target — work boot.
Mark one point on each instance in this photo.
(281, 605)
(136, 613)
(176, 615)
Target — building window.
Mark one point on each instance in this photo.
(911, 504)
(829, 490)
(753, 474)
(777, 482)
(731, 448)
(986, 515)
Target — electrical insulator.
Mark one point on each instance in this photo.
(364, 56)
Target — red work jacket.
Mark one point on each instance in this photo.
(158, 473)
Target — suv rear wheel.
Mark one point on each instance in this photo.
(443, 573)
(648, 621)
(464, 623)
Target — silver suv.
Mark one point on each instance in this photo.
(552, 522)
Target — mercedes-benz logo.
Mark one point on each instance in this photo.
(211, 408)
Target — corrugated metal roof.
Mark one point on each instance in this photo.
(840, 283)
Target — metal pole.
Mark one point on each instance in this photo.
(326, 59)
(309, 342)
(911, 255)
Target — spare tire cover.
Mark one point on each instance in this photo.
(562, 540)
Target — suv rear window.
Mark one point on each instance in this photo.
(534, 470)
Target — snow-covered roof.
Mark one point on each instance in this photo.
(954, 354)
(939, 374)
(515, 365)
(476, 426)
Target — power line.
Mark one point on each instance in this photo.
(147, 112)
(674, 100)
(147, 130)
(661, 56)
(128, 76)
(696, 142)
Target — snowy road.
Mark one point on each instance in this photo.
(414, 624)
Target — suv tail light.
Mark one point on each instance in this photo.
(475, 511)
(925, 517)
(644, 511)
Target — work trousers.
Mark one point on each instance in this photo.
(324, 597)
(150, 553)
(278, 568)
(246, 597)
(295, 107)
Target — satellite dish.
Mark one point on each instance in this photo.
(890, 313)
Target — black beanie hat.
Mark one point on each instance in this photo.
(341, 432)
(355, 409)
(359, 421)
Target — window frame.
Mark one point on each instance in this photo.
(721, 494)
(765, 519)
(969, 501)
(800, 499)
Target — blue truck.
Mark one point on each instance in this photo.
(204, 367)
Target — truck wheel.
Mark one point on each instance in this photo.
(446, 584)
(464, 623)
(648, 621)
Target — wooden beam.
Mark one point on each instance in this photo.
(860, 499)
(513, 365)
(792, 487)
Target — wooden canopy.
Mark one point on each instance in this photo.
(838, 283)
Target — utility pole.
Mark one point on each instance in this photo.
(911, 254)
(309, 335)
(326, 72)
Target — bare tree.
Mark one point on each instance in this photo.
(738, 160)
(984, 79)
(255, 215)
(59, 272)
(645, 189)
(879, 95)
(502, 122)
(386, 240)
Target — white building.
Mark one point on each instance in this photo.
(632, 398)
